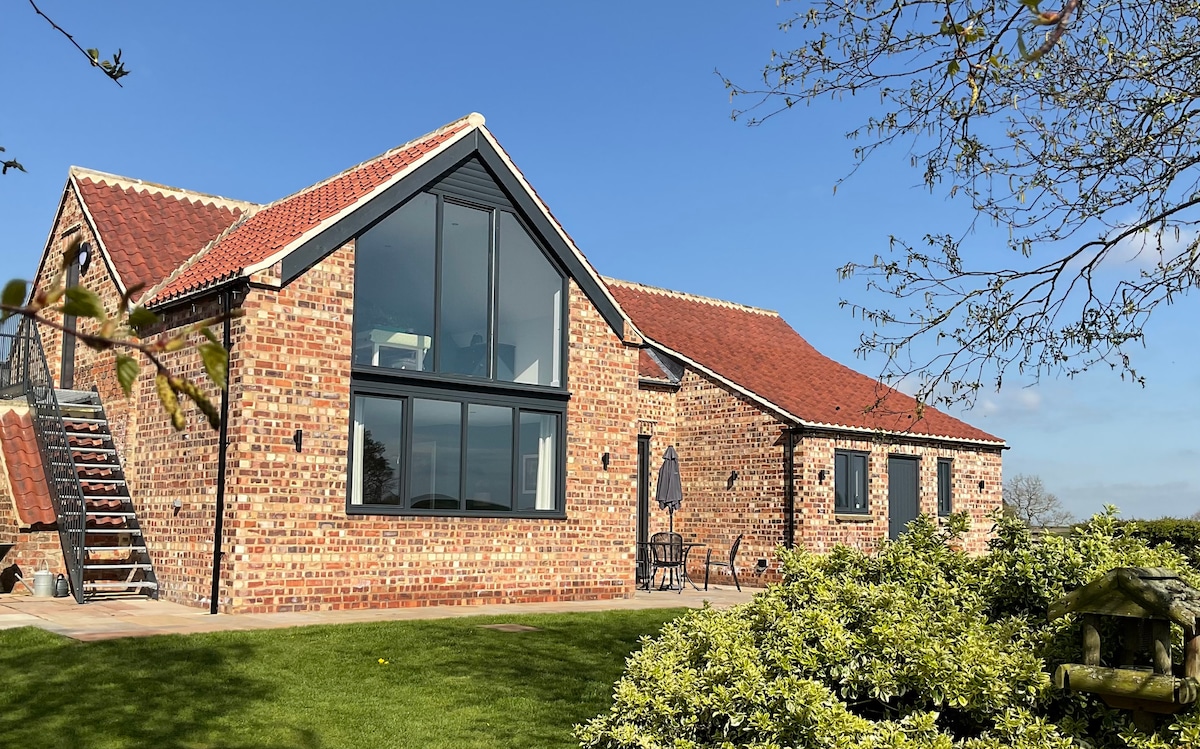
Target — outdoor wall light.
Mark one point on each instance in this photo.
(177, 505)
(84, 257)
(604, 461)
(981, 486)
(821, 476)
(761, 567)
(298, 440)
(729, 483)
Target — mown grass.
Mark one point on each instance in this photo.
(444, 683)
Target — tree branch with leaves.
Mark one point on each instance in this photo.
(1073, 130)
(122, 331)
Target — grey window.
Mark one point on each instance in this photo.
(850, 481)
(458, 364)
(460, 290)
(420, 455)
(944, 484)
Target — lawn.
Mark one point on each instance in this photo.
(442, 683)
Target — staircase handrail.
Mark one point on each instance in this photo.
(62, 479)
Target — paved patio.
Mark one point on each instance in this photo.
(131, 617)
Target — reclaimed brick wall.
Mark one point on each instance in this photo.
(292, 546)
(716, 431)
(92, 368)
(819, 529)
(167, 466)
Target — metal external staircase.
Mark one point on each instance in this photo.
(102, 543)
(114, 552)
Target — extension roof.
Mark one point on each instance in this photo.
(757, 353)
(27, 479)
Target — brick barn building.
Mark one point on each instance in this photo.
(434, 399)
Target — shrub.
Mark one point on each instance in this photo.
(917, 645)
(1183, 534)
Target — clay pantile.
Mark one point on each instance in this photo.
(150, 230)
(757, 351)
(263, 233)
(25, 473)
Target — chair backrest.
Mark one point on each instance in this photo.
(667, 548)
(733, 550)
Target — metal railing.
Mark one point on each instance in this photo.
(23, 368)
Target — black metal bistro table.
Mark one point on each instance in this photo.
(674, 577)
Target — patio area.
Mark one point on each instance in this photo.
(135, 617)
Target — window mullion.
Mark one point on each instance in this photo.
(462, 455)
(493, 283)
(437, 285)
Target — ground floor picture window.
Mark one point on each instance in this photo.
(434, 455)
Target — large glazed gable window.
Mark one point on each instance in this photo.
(458, 381)
(459, 290)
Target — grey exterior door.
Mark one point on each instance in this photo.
(643, 508)
(903, 493)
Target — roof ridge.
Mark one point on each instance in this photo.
(691, 297)
(474, 118)
(145, 186)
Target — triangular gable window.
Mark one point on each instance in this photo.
(451, 288)
(459, 366)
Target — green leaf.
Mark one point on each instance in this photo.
(141, 318)
(209, 335)
(83, 302)
(14, 296)
(216, 362)
(127, 372)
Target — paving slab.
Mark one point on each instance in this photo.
(118, 618)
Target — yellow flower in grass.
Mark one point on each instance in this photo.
(383, 662)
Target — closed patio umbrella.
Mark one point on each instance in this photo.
(669, 493)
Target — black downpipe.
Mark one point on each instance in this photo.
(222, 448)
(789, 488)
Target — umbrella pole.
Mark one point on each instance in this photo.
(671, 521)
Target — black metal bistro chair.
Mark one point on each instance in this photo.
(666, 550)
(733, 550)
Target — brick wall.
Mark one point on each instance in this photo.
(820, 529)
(289, 541)
(716, 431)
(92, 368)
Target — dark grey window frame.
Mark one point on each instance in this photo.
(465, 398)
(443, 196)
(945, 486)
(374, 381)
(849, 455)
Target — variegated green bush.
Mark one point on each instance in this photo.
(917, 645)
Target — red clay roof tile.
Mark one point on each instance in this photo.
(150, 230)
(649, 369)
(264, 232)
(25, 473)
(758, 351)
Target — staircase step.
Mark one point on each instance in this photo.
(113, 531)
(118, 585)
(76, 398)
(103, 549)
(111, 514)
(119, 565)
(83, 420)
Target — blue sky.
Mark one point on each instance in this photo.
(614, 113)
